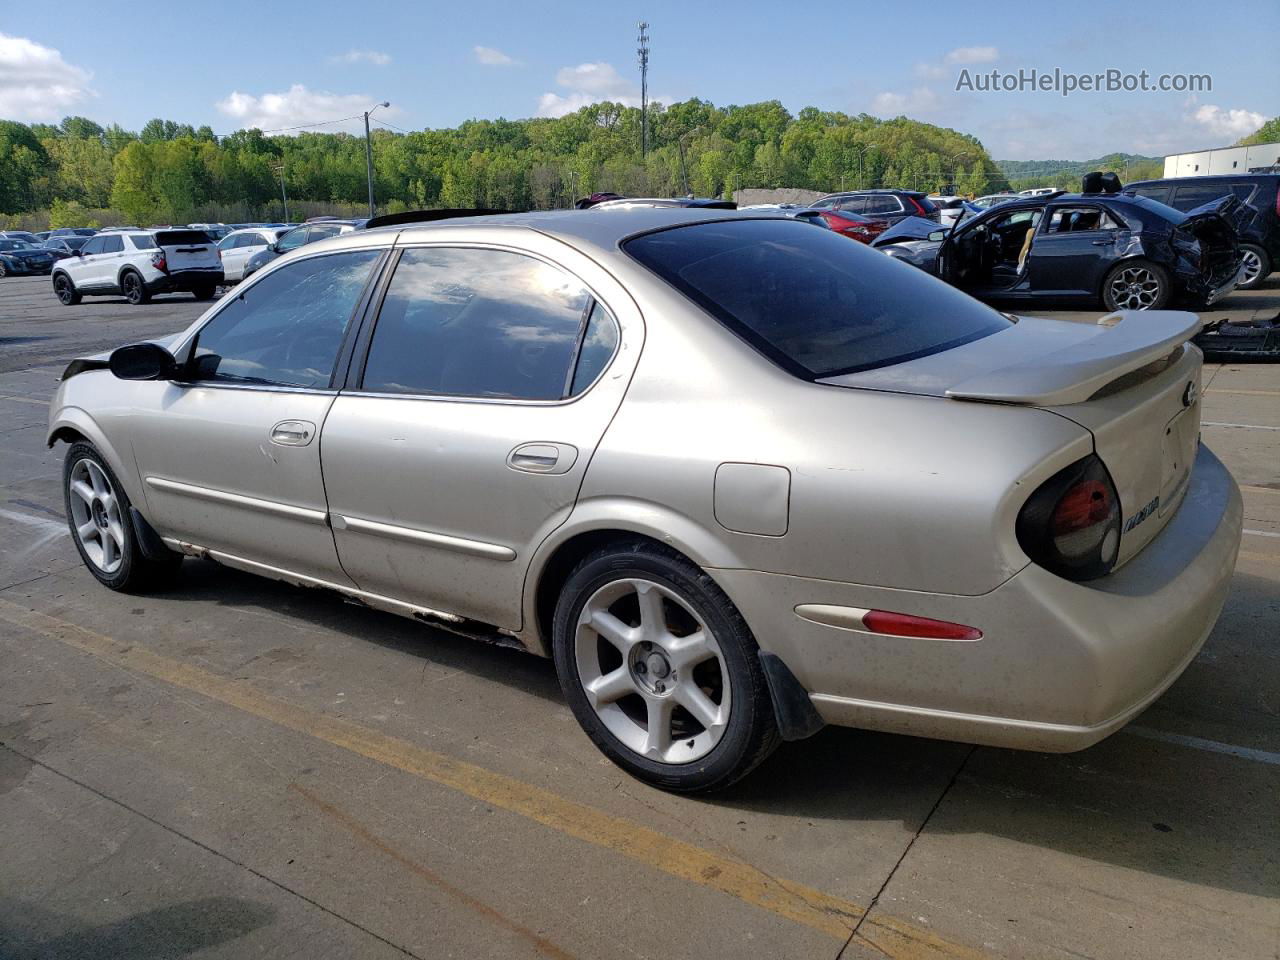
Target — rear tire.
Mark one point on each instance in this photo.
(1136, 285)
(205, 293)
(66, 290)
(668, 637)
(98, 513)
(134, 288)
(1257, 266)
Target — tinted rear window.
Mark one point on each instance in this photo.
(177, 238)
(810, 300)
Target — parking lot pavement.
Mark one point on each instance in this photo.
(236, 767)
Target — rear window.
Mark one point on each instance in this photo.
(142, 241)
(177, 238)
(811, 301)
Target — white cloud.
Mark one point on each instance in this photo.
(921, 100)
(589, 83)
(972, 55)
(960, 55)
(1228, 123)
(493, 57)
(35, 82)
(297, 106)
(377, 58)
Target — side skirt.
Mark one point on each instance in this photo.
(463, 626)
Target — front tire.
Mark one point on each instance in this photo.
(66, 290)
(135, 290)
(1257, 266)
(661, 670)
(1136, 285)
(98, 512)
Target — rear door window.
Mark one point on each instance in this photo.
(811, 301)
(287, 328)
(1189, 196)
(480, 323)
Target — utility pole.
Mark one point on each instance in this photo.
(283, 196)
(368, 151)
(643, 53)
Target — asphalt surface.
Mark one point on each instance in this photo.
(239, 768)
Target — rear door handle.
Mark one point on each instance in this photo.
(549, 458)
(293, 433)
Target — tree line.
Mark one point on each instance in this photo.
(171, 172)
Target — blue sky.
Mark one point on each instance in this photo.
(283, 63)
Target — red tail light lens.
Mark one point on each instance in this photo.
(1071, 524)
(905, 625)
(158, 261)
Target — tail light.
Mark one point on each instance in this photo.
(1071, 524)
(158, 261)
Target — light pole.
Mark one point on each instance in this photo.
(953, 169)
(368, 150)
(860, 155)
(283, 196)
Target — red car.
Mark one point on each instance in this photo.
(847, 223)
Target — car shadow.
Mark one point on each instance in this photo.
(1130, 801)
(207, 581)
(175, 930)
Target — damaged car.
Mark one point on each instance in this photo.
(737, 476)
(1123, 251)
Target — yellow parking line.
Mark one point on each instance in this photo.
(800, 904)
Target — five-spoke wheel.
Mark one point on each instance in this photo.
(660, 669)
(95, 515)
(99, 514)
(652, 671)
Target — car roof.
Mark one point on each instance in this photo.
(586, 227)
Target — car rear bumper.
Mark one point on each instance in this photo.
(1060, 665)
(185, 280)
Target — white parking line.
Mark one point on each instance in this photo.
(1198, 743)
(1261, 533)
(33, 400)
(34, 521)
(1238, 426)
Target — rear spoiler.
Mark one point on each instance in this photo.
(1125, 341)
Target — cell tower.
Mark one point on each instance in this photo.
(643, 53)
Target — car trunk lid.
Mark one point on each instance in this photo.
(188, 250)
(1128, 379)
(1212, 231)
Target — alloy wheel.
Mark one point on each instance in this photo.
(1135, 288)
(96, 516)
(132, 288)
(1251, 265)
(652, 671)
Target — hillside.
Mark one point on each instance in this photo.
(78, 172)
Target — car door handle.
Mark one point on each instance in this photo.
(293, 433)
(549, 458)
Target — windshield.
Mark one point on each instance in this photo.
(15, 245)
(811, 301)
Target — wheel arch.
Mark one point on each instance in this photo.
(72, 425)
(597, 524)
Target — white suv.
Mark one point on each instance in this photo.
(139, 263)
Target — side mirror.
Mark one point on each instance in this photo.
(937, 236)
(142, 361)
(78, 253)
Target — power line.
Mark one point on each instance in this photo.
(391, 126)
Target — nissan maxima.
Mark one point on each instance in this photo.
(738, 477)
